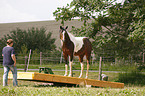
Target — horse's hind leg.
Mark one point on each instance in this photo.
(82, 69)
(87, 69)
(82, 66)
(88, 63)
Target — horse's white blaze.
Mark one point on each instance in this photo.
(61, 42)
(63, 35)
(78, 42)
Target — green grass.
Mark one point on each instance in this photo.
(31, 88)
(76, 66)
(65, 91)
(133, 77)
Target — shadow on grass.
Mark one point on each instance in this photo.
(54, 85)
(135, 78)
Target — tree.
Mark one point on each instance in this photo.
(112, 23)
(33, 38)
(21, 55)
(138, 25)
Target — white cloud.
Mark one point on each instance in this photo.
(10, 14)
(29, 10)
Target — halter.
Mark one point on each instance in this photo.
(62, 33)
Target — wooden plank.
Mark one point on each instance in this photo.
(75, 80)
(104, 83)
(22, 75)
(64, 79)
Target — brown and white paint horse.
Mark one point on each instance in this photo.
(75, 46)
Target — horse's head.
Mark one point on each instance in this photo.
(63, 33)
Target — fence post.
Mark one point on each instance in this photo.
(143, 58)
(25, 68)
(28, 59)
(40, 58)
(100, 69)
(61, 57)
(93, 58)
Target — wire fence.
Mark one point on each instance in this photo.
(109, 62)
(57, 58)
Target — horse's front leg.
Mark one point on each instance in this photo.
(66, 64)
(66, 70)
(70, 65)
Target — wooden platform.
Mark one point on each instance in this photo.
(34, 76)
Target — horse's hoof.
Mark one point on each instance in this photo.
(86, 77)
(70, 75)
(65, 74)
(80, 76)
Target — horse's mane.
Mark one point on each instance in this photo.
(71, 36)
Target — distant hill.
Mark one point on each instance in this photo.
(51, 26)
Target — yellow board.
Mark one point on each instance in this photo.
(22, 75)
(64, 79)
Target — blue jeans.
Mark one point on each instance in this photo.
(5, 76)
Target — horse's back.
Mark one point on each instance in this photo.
(87, 44)
(86, 47)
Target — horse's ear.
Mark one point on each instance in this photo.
(61, 27)
(66, 27)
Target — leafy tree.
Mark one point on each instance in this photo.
(21, 55)
(113, 24)
(24, 51)
(35, 57)
(138, 25)
(33, 38)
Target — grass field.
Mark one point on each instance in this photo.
(30, 88)
(65, 91)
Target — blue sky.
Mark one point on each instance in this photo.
(29, 10)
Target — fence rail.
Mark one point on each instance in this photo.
(44, 58)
